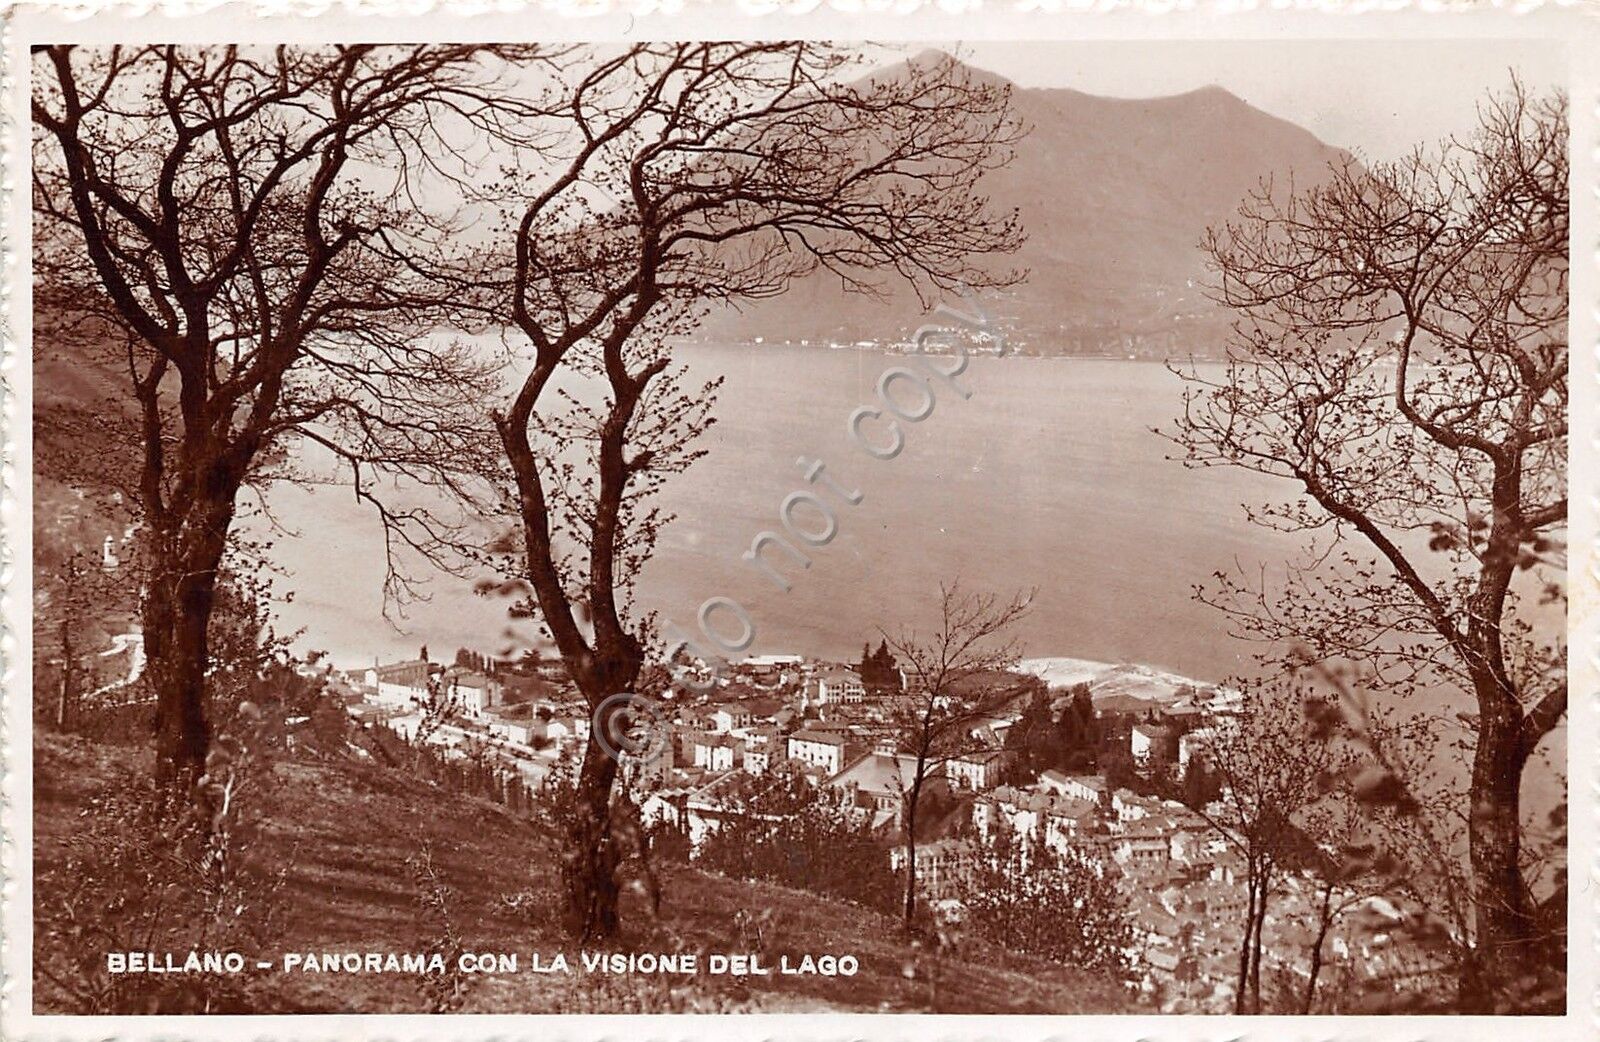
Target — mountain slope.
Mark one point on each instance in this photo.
(1114, 195)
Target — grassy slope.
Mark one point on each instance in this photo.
(351, 825)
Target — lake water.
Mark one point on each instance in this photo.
(1048, 476)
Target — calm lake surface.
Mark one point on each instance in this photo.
(1048, 476)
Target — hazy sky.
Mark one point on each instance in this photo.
(1377, 96)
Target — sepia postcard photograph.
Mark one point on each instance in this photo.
(817, 518)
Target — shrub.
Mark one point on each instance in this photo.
(787, 834)
(150, 870)
(1062, 906)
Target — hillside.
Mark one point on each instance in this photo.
(1114, 195)
(345, 827)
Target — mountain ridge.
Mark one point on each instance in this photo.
(1114, 195)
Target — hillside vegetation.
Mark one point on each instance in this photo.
(346, 834)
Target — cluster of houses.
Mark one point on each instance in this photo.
(526, 718)
(785, 715)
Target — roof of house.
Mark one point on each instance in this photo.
(1145, 831)
(1162, 960)
(821, 737)
(772, 660)
(764, 707)
(390, 668)
(1120, 703)
(1041, 802)
(528, 688)
(729, 791)
(1068, 807)
(1055, 805)
(877, 773)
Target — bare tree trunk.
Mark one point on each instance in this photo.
(1247, 997)
(1324, 923)
(1503, 915)
(177, 621)
(1242, 991)
(1258, 932)
(177, 649)
(64, 704)
(592, 857)
(911, 856)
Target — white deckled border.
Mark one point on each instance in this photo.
(75, 10)
(182, 21)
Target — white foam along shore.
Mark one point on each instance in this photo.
(1064, 672)
(1108, 678)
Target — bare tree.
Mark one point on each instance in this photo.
(1272, 778)
(68, 591)
(237, 231)
(1405, 780)
(694, 175)
(1401, 357)
(1334, 859)
(950, 693)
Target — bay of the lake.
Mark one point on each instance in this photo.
(1048, 476)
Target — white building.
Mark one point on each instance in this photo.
(841, 686)
(1191, 744)
(1130, 806)
(565, 729)
(518, 732)
(772, 665)
(400, 684)
(715, 752)
(1146, 741)
(819, 749)
(759, 758)
(708, 807)
(976, 770)
(730, 716)
(1142, 847)
(1090, 787)
(941, 865)
(472, 693)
